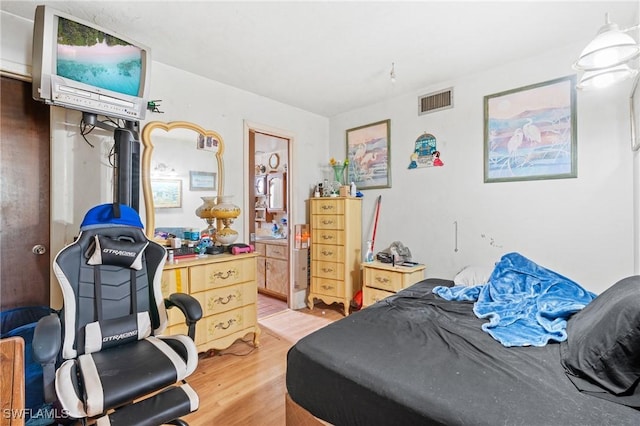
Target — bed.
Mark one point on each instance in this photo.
(416, 358)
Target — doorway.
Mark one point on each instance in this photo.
(269, 209)
(25, 194)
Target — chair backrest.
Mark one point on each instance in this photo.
(111, 282)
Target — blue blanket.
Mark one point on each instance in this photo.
(525, 303)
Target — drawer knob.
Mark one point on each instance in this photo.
(327, 253)
(382, 280)
(326, 287)
(327, 270)
(327, 237)
(224, 300)
(224, 275)
(224, 326)
(326, 207)
(327, 222)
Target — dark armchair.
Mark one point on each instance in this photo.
(104, 356)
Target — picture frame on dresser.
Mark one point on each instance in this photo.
(369, 155)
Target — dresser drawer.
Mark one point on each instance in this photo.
(331, 270)
(226, 298)
(278, 251)
(323, 236)
(221, 274)
(175, 317)
(373, 295)
(176, 329)
(327, 287)
(324, 221)
(226, 323)
(260, 248)
(330, 253)
(327, 207)
(175, 281)
(383, 280)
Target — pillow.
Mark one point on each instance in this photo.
(126, 254)
(603, 340)
(473, 275)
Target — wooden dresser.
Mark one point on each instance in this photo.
(225, 285)
(382, 280)
(336, 250)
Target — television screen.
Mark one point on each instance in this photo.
(80, 65)
(92, 57)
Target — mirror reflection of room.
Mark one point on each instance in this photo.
(182, 169)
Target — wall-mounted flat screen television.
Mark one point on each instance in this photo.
(77, 64)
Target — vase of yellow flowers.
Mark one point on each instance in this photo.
(338, 170)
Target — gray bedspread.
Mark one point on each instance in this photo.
(416, 359)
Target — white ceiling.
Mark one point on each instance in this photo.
(333, 56)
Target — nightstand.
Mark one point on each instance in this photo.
(381, 280)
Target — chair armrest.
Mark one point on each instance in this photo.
(189, 306)
(47, 338)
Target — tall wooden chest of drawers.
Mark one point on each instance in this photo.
(336, 250)
(225, 285)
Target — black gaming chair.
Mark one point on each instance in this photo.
(104, 347)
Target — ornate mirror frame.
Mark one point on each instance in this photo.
(148, 154)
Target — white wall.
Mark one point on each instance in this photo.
(581, 228)
(81, 176)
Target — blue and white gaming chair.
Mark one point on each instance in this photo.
(105, 346)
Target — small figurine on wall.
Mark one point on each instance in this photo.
(425, 153)
(436, 159)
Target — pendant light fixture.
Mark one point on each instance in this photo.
(605, 60)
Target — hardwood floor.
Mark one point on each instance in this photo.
(269, 305)
(243, 385)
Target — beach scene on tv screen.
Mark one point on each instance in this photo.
(92, 57)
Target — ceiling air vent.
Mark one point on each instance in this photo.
(435, 101)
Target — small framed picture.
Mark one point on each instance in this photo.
(368, 151)
(202, 181)
(167, 193)
(207, 143)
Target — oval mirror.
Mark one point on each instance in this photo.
(181, 163)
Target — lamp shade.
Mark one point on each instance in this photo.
(598, 79)
(610, 48)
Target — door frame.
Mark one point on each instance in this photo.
(291, 175)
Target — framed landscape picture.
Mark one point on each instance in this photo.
(202, 181)
(530, 132)
(167, 193)
(368, 151)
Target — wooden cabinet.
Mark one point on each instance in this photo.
(273, 267)
(382, 280)
(225, 285)
(335, 250)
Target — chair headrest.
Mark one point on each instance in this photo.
(111, 214)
